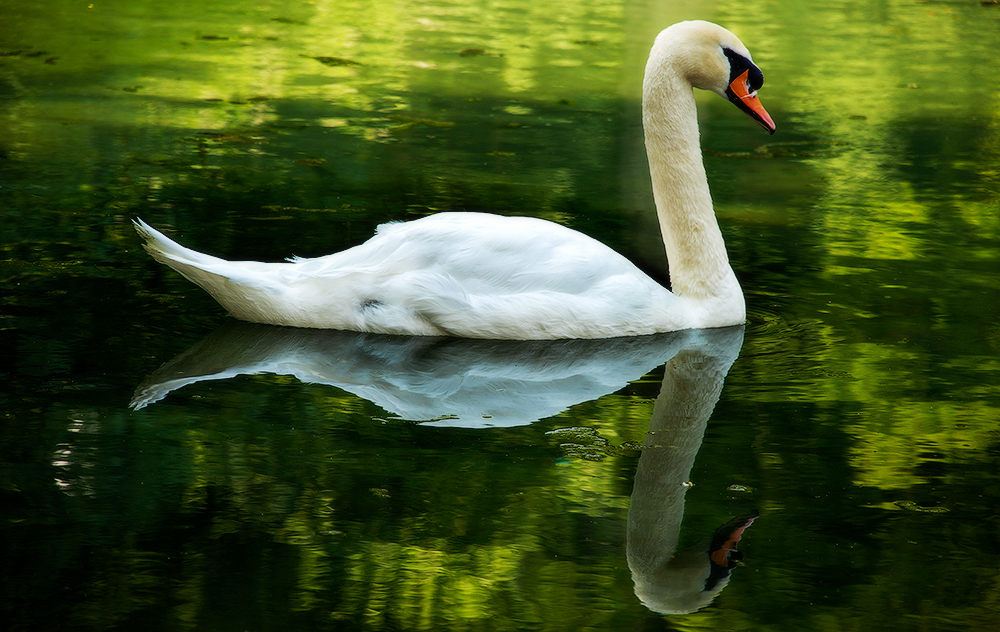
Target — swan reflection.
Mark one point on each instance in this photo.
(447, 381)
(481, 383)
(666, 580)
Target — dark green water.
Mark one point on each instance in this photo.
(275, 484)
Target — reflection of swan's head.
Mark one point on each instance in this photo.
(692, 579)
(679, 588)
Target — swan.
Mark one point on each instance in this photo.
(477, 275)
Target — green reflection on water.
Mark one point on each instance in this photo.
(860, 418)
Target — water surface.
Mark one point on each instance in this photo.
(847, 436)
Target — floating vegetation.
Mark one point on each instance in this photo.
(248, 100)
(311, 162)
(333, 61)
(586, 443)
(581, 441)
(229, 136)
(206, 140)
(29, 54)
(909, 505)
(406, 122)
(789, 149)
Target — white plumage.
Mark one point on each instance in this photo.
(478, 275)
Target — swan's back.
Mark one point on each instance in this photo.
(485, 253)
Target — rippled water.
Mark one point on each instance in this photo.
(845, 440)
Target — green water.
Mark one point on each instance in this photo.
(277, 484)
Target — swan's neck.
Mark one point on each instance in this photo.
(696, 252)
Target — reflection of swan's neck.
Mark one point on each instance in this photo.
(680, 415)
(692, 381)
(696, 252)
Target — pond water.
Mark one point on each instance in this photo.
(847, 439)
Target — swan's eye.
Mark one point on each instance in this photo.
(738, 64)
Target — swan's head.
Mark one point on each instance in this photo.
(712, 58)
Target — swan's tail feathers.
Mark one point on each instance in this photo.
(168, 251)
(195, 266)
(241, 287)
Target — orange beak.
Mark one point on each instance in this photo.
(739, 93)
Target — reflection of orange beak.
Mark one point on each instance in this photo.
(749, 103)
(722, 555)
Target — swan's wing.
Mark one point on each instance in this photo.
(481, 251)
(484, 276)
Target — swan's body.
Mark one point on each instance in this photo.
(477, 275)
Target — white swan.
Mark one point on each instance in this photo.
(478, 275)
